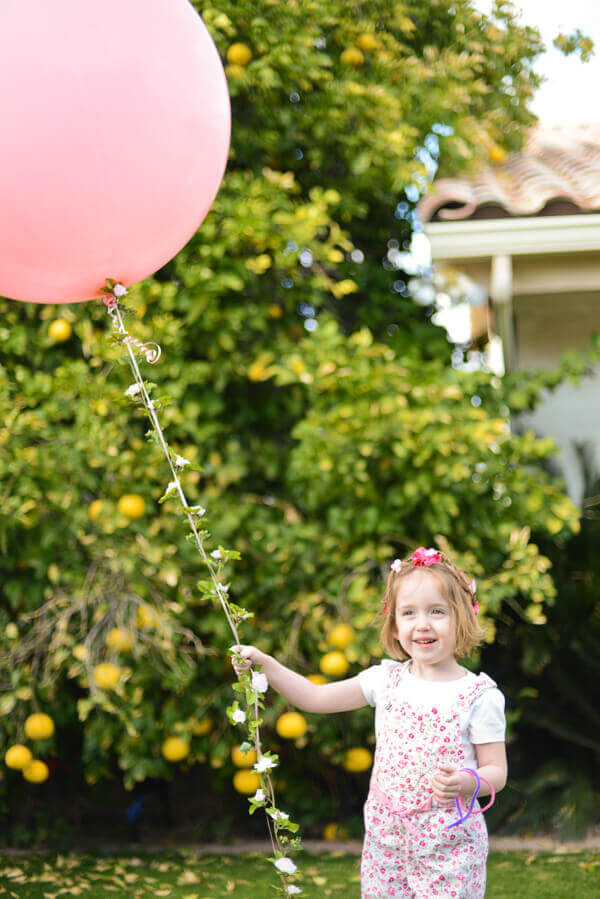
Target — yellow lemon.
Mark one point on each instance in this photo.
(246, 782)
(341, 636)
(80, 652)
(107, 675)
(59, 330)
(357, 759)
(202, 727)
(330, 832)
(119, 639)
(334, 663)
(17, 757)
(243, 761)
(36, 772)
(334, 832)
(95, 508)
(317, 679)
(291, 725)
(352, 56)
(131, 505)
(234, 71)
(497, 155)
(175, 749)
(256, 371)
(39, 726)
(239, 54)
(367, 41)
(145, 616)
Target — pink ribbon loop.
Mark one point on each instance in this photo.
(464, 812)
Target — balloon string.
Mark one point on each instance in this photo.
(115, 313)
(152, 353)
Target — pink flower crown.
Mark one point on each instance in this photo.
(426, 557)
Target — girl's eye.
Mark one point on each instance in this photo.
(439, 611)
(407, 612)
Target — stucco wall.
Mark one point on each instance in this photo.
(546, 326)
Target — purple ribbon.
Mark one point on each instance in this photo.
(469, 811)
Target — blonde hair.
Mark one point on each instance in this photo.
(457, 591)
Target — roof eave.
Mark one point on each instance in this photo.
(535, 235)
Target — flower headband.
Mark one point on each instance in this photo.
(424, 558)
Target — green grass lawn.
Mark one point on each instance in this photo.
(510, 875)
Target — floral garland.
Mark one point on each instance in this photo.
(251, 685)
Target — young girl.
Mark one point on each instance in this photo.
(439, 728)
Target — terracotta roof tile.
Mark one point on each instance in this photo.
(557, 172)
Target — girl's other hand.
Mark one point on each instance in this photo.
(447, 784)
(245, 658)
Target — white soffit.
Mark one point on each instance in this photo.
(477, 238)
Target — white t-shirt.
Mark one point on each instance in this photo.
(482, 722)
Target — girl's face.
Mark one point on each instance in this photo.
(423, 622)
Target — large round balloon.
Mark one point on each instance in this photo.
(115, 132)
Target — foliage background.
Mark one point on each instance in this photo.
(331, 429)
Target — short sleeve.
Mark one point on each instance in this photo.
(487, 723)
(372, 680)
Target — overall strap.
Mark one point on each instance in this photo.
(481, 683)
(394, 677)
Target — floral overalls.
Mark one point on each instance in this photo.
(408, 853)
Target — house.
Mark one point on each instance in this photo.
(526, 232)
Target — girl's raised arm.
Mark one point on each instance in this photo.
(342, 696)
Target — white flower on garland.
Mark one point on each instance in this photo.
(259, 796)
(198, 510)
(292, 890)
(134, 390)
(286, 865)
(277, 815)
(172, 485)
(265, 764)
(180, 462)
(216, 553)
(238, 716)
(259, 682)
(119, 290)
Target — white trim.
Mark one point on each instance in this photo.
(501, 279)
(501, 289)
(478, 238)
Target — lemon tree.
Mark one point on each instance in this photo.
(314, 410)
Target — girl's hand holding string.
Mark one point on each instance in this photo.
(342, 696)
(250, 655)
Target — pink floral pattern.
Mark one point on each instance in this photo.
(408, 853)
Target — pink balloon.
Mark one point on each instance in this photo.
(115, 133)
